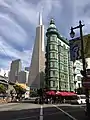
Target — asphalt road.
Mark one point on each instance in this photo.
(28, 111)
(64, 113)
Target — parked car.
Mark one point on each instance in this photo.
(79, 99)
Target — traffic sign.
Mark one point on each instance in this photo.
(86, 82)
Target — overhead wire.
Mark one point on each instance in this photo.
(5, 52)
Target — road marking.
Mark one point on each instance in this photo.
(65, 112)
(41, 113)
(24, 118)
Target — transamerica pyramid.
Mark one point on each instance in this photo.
(37, 67)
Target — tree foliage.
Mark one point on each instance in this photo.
(19, 89)
(2, 89)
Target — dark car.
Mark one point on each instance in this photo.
(39, 101)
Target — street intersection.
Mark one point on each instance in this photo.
(29, 111)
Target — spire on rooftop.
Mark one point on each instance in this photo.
(40, 18)
(52, 21)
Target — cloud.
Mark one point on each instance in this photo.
(12, 54)
(18, 21)
(81, 12)
(19, 18)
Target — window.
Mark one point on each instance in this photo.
(53, 83)
(53, 55)
(53, 65)
(62, 67)
(53, 72)
(61, 50)
(79, 85)
(64, 47)
(50, 47)
(53, 46)
(61, 58)
(53, 37)
(65, 69)
(79, 78)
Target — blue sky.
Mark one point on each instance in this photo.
(19, 18)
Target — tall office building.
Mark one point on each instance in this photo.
(36, 73)
(14, 70)
(23, 77)
(59, 68)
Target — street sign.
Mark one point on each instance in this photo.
(86, 82)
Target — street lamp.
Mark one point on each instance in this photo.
(72, 34)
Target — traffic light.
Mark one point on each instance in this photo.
(83, 73)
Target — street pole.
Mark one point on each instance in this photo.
(83, 61)
(84, 67)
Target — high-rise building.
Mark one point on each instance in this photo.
(15, 68)
(36, 73)
(59, 70)
(23, 77)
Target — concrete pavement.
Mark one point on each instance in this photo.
(28, 111)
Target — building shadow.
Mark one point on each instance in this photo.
(28, 114)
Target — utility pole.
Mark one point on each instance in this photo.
(83, 72)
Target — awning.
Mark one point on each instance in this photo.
(72, 93)
(50, 93)
(61, 93)
(65, 93)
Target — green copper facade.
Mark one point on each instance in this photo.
(58, 71)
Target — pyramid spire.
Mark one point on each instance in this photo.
(40, 18)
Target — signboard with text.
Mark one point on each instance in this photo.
(75, 47)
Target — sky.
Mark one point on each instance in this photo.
(19, 19)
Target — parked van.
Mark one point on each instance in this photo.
(79, 99)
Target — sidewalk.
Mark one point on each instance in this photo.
(6, 104)
(2, 101)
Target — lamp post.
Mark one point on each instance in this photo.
(72, 34)
(75, 82)
(74, 76)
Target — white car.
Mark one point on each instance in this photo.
(80, 99)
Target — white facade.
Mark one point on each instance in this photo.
(23, 77)
(38, 58)
(88, 63)
(77, 67)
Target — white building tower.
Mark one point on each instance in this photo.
(36, 73)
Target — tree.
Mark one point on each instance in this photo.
(2, 89)
(19, 90)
